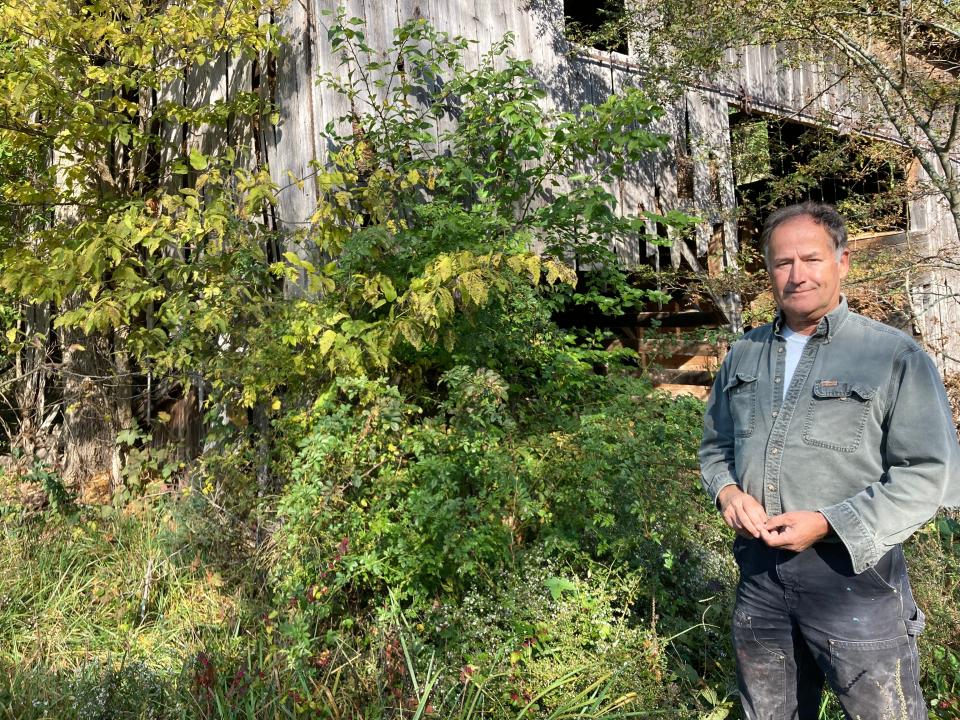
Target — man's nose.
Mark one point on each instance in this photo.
(798, 272)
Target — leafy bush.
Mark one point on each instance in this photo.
(440, 392)
(384, 500)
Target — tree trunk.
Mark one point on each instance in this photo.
(31, 379)
(97, 394)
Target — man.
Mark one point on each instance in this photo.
(827, 441)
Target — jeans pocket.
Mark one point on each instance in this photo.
(876, 678)
(916, 624)
(877, 579)
(744, 636)
(889, 574)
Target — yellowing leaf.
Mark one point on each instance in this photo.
(386, 286)
(532, 265)
(326, 341)
(249, 397)
(473, 288)
(445, 302)
(443, 268)
(559, 271)
(411, 333)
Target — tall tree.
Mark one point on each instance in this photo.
(112, 206)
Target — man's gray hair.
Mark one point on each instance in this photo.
(820, 213)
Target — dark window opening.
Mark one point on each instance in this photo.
(664, 246)
(777, 162)
(596, 24)
(685, 181)
(684, 177)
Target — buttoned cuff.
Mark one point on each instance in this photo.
(718, 482)
(854, 534)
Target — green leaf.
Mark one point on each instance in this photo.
(123, 134)
(948, 527)
(198, 161)
(557, 586)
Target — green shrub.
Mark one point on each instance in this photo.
(386, 500)
(933, 556)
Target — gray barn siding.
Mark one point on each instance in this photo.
(759, 81)
(293, 143)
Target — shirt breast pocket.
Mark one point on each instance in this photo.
(741, 391)
(837, 415)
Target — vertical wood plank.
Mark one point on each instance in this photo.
(294, 138)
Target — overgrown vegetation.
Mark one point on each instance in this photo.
(415, 495)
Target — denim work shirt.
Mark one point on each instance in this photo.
(864, 432)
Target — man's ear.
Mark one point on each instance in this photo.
(844, 263)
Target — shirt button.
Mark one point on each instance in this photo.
(779, 350)
(776, 380)
(774, 451)
(775, 412)
(771, 487)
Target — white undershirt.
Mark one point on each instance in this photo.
(795, 344)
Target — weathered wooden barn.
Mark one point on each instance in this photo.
(695, 173)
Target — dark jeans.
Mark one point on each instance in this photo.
(804, 617)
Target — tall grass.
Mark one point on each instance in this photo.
(128, 617)
(121, 617)
(102, 617)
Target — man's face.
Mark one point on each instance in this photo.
(804, 272)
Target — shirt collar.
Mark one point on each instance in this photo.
(827, 327)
